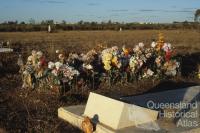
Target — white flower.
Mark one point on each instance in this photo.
(34, 52)
(166, 47)
(51, 65)
(132, 63)
(69, 72)
(54, 72)
(76, 72)
(143, 58)
(169, 45)
(153, 44)
(150, 72)
(30, 58)
(177, 64)
(75, 56)
(57, 51)
(87, 66)
(39, 54)
(141, 44)
(148, 55)
(171, 73)
(136, 49)
(58, 65)
(114, 48)
(158, 61)
(171, 68)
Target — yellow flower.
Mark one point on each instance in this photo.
(107, 67)
(199, 75)
(106, 62)
(126, 52)
(160, 42)
(115, 60)
(159, 46)
(107, 56)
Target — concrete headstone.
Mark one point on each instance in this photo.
(117, 114)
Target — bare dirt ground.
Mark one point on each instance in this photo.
(33, 111)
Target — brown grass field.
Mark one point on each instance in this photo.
(31, 111)
(184, 40)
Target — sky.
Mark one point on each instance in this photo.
(157, 11)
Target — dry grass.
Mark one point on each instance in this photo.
(184, 40)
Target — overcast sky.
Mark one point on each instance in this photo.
(163, 11)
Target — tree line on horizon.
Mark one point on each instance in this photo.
(14, 26)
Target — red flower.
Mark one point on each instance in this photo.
(43, 62)
(168, 55)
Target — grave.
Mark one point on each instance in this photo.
(131, 114)
(4, 50)
(108, 114)
(117, 114)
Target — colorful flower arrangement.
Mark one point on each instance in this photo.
(62, 72)
(142, 62)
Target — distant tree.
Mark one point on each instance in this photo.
(109, 22)
(93, 23)
(32, 21)
(43, 22)
(197, 16)
(51, 22)
(47, 22)
(63, 22)
(12, 22)
(81, 22)
(22, 22)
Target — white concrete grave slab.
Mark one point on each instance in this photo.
(117, 114)
(108, 114)
(4, 50)
(113, 116)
